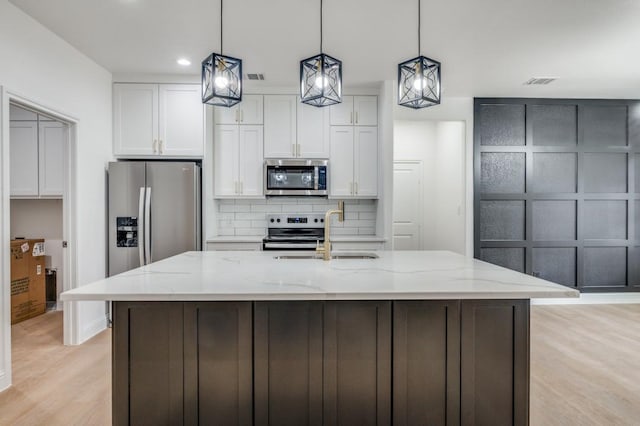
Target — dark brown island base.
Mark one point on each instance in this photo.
(370, 362)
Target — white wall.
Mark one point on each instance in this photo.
(439, 145)
(451, 109)
(36, 219)
(38, 66)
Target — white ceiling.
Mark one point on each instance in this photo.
(487, 47)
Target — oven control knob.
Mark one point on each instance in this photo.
(315, 220)
(278, 220)
(321, 220)
(272, 220)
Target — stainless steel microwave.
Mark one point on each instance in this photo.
(295, 177)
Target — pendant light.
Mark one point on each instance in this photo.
(221, 77)
(321, 78)
(419, 80)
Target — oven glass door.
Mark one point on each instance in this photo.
(291, 178)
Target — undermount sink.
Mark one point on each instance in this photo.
(336, 256)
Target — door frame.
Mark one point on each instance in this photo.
(420, 165)
(71, 326)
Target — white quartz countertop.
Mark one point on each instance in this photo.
(258, 275)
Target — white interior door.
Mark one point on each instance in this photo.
(407, 205)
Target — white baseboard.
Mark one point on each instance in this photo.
(5, 380)
(92, 329)
(592, 299)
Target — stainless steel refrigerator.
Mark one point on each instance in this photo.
(154, 211)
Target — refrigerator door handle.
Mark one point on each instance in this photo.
(141, 226)
(147, 226)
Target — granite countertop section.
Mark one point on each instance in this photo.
(257, 275)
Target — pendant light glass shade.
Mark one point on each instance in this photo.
(221, 77)
(321, 80)
(419, 82)
(221, 80)
(419, 79)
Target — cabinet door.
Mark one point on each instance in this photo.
(135, 119)
(251, 109)
(23, 158)
(342, 113)
(366, 161)
(225, 158)
(280, 126)
(341, 165)
(148, 363)
(365, 110)
(51, 158)
(218, 371)
(494, 364)
(224, 115)
(251, 166)
(288, 363)
(181, 120)
(313, 131)
(426, 362)
(357, 368)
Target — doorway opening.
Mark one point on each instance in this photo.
(429, 185)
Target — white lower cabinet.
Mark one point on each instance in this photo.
(354, 161)
(37, 159)
(238, 161)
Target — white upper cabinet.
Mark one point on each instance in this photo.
(248, 111)
(23, 158)
(354, 162)
(365, 173)
(313, 131)
(158, 119)
(37, 155)
(135, 119)
(293, 129)
(51, 158)
(355, 111)
(181, 120)
(238, 161)
(280, 126)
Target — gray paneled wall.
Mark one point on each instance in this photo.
(557, 189)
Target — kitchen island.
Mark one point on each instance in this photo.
(275, 338)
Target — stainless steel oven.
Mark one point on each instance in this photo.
(295, 177)
(294, 231)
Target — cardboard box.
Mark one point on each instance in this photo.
(28, 290)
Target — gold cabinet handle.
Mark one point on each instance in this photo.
(155, 146)
(351, 117)
(356, 117)
(161, 147)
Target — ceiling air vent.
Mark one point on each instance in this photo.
(258, 76)
(539, 81)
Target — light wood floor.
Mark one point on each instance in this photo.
(585, 370)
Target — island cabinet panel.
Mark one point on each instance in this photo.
(218, 363)
(148, 363)
(357, 363)
(494, 366)
(288, 363)
(426, 363)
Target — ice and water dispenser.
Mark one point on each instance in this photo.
(127, 231)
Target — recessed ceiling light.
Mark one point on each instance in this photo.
(184, 62)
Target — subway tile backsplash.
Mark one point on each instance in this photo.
(249, 217)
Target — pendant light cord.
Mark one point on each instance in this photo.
(418, 27)
(320, 26)
(221, 52)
